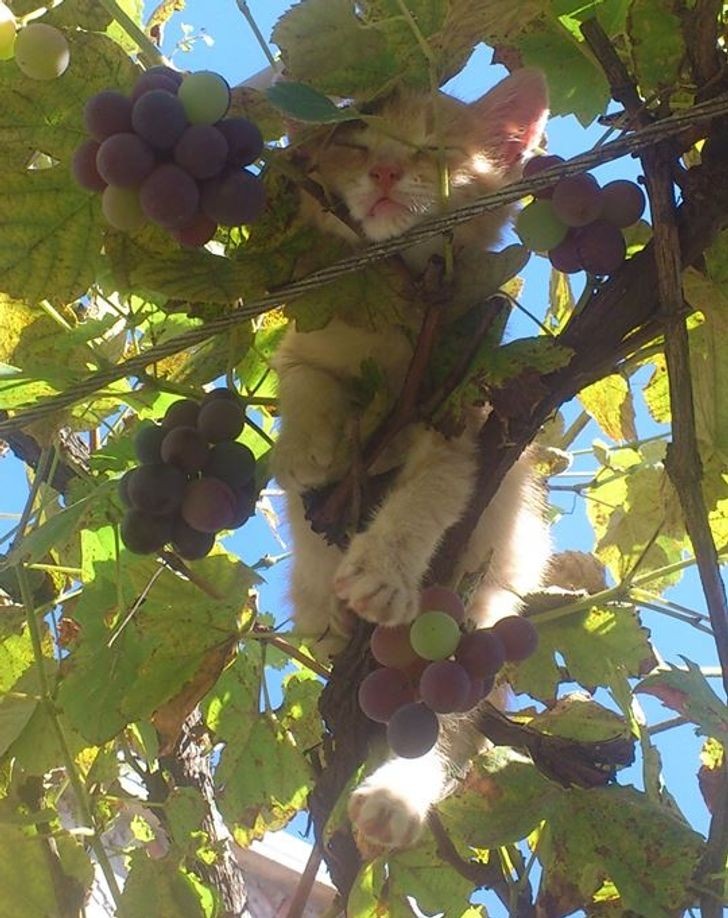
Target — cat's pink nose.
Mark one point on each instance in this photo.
(385, 175)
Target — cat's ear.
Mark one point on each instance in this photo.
(512, 116)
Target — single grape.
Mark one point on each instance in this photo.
(83, 166)
(577, 200)
(481, 653)
(156, 78)
(123, 487)
(41, 51)
(479, 688)
(624, 203)
(601, 247)
(107, 113)
(413, 730)
(208, 505)
(232, 463)
(442, 599)
(519, 637)
(538, 226)
(196, 233)
(205, 96)
(143, 533)
(158, 117)
(445, 686)
(392, 647)
(163, 70)
(188, 542)
(122, 209)
(185, 448)
(148, 443)
(234, 198)
(157, 489)
(245, 142)
(182, 413)
(434, 635)
(202, 151)
(565, 256)
(169, 196)
(223, 392)
(223, 419)
(539, 164)
(8, 29)
(383, 692)
(124, 160)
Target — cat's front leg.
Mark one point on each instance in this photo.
(380, 575)
(313, 444)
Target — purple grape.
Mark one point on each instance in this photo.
(442, 599)
(245, 142)
(445, 686)
(144, 534)
(124, 160)
(479, 689)
(244, 507)
(123, 487)
(413, 730)
(565, 256)
(162, 70)
(169, 196)
(392, 647)
(481, 653)
(519, 637)
(539, 164)
(624, 203)
(185, 448)
(202, 151)
(107, 113)
(601, 247)
(383, 692)
(157, 489)
(148, 443)
(83, 166)
(232, 463)
(189, 543)
(159, 118)
(208, 505)
(234, 198)
(577, 199)
(157, 78)
(223, 419)
(196, 233)
(182, 413)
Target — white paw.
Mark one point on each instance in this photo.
(381, 819)
(376, 582)
(301, 461)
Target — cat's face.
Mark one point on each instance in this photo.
(386, 171)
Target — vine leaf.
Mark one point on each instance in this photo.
(162, 887)
(689, 694)
(591, 643)
(656, 43)
(304, 103)
(647, 851)
(609, 402)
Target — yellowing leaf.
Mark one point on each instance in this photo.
(609, 402)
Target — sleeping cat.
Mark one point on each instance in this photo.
(387, 176)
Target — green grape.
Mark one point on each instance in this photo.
(434, 635)
(7, 33)
(538, 226)
(122, 209)
(205, 97)
(41, 51)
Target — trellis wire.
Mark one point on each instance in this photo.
(444, 223)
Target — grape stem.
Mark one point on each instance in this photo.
(149, 52)
(245, 10)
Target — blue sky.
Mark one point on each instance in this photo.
(236, 55)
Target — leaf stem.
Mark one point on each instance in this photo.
(260, 38)
(148, 50)
(70, 765)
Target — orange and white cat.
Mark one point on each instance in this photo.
(386, 173)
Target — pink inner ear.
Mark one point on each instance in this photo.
(513, 115)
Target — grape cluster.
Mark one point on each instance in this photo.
(577, 222)
(40, 50)
(194, 478)
(168, 154)
(436, 666)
